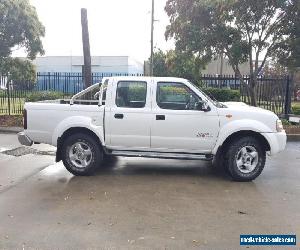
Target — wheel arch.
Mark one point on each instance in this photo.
(250, 133)
(72, 131)
(244, 133)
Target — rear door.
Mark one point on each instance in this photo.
(129, 115)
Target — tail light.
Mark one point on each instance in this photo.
(25, 118)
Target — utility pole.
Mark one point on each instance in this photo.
(152, 30)
(87, 69)
(222, 63)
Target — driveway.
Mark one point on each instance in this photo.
(143, 203)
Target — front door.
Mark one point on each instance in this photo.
(178, 124)
(129, 116)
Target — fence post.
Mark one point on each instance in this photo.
(288, 99)
(8, 97)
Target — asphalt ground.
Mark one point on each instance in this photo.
(142, 203)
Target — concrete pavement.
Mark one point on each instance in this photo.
(14, 170)
(8, 141)
(147, 204)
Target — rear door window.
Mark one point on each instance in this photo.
(131, 94)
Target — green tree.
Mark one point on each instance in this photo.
(289, 48)
(182, 64)
(22, 73)
(19, 28)
(159, 63)
(177, 64)
(243, 30)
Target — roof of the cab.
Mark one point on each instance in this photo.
(145, 78)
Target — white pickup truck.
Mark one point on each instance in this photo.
(157, 117)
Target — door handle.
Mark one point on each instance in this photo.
(160, 117)
(119, 116)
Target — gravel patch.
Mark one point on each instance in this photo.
(20, 151)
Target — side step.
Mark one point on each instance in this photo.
(183, 156)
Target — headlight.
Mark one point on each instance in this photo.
(279, 126)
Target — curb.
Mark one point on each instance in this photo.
(293, 137)
(11, 130)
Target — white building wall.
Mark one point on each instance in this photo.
(100, 64)
(214, 67)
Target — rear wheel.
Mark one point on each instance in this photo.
(245, 159)
(81, 154)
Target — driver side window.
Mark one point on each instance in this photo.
(176, 96)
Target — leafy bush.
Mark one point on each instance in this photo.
(2, 93)
(173, 94)
(296, 108)
(43, 95)
(14, 93)
(137, 93)
(285, 122)
(223, 95)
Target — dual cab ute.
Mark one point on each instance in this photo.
(153, 117)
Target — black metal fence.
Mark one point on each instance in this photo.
(69, 83)
(273, 93)
(13, 95)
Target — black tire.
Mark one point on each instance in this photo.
(233, 153)
(219, 163)
(95, 159)
(110, 158)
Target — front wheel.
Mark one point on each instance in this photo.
(81, 154)
(245, 159)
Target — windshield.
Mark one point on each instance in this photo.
(214, 101)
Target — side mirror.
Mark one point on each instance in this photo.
(203, 106)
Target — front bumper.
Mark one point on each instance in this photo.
(277, 141)
(24, 139)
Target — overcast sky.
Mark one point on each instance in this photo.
(117, 27)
